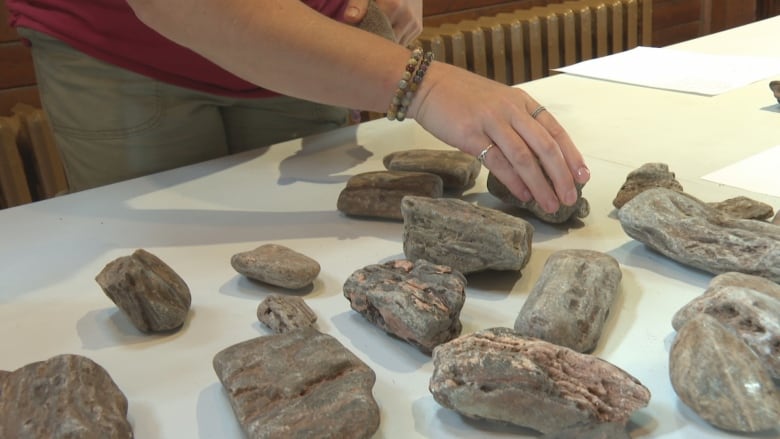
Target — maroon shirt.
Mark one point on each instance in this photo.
(109, 31)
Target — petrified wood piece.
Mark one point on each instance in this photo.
(67, 396)
(498, 374)
(299, 384)
(745, 208)
(457, 169)
(647, 176)
(285, 313)
(147, 290)
(276, 265)
(718, 376)
(463, 236)
(417, 302)
(378, 194)
(688, 231)
(580, 209)
(571, 300)
(734, 279)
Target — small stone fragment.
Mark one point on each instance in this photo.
(721, 379)
(571, 300)
(147, 290)
(417, 302)
(687, 230)
(647, 176)
(580, 209)
(67, 396)
(457, 169)
(299, 384)
(378, 194)
(277, 265)
(463, 236)
(745, 208)
(285, 313)
(775, 86)
(500, 375)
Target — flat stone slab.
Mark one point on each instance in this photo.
(721, 379)
(277, 265)
(457, 170)
(67, 396)
(497, 374)
(299, 384)
(647, 176)
(745, 208)
(147, 290)
(463, 236)
(580, 209)
(418, 302)
(378, 194)
(685, 229)
(571, 300)
(285, 313)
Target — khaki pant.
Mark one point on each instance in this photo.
(111, 124)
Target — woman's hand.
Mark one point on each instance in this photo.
(404, 15)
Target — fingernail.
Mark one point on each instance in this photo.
(525, 195)
(570, 198)
(352, 12)
(583, 174)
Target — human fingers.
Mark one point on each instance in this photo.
(494, 160)
(570, 152)
(405, 16)
(355, 11)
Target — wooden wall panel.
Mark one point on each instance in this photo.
(17, 75)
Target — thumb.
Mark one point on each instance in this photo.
(355, 11)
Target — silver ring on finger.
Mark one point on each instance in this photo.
(538, 111)
(483, 153)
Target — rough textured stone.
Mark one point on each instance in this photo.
(688, 231)
(745, 208)
(67, 396)
(285, 313)
(457, 169)
(378, 194)
(417, 302)
(147, 290)
(776, 219)
(592, 431)
(775, 86)
(721, 379)
(758, 283)
(463, 236)
(571, 300)
(497, 374)
(647, 176)
(299, 384)
(580, 209)
(277, 265)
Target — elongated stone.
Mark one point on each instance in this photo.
(571, 300)
(745, 208)
(417, 302)
(378, 194)
(463, 236)
(721, 379)
(67, 396)
(457, 169)
(299, 384)
(500, 375)
(685, 229)
(147, 290)
(735, 279)
(277, 265)
(647, 176)
(285, 313)
(580, 209)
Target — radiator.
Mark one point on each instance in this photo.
(527, 44)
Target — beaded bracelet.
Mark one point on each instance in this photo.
(412, 77)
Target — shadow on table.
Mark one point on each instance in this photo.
(215, 416)
(635, 254)
(110, 327)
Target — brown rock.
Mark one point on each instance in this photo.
(649, 175)
(298, 384)
(463, 236)
(378, 194)
(580, 209)
(776, 219)
(417, 302)
(147, 290)
(67, 396)
(457, 169)
(775, 86)
(757, 283)
(285, 313)
(277, 265)
(745, 208)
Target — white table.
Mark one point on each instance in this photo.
(196, 218)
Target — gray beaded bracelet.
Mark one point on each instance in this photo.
(412, 77)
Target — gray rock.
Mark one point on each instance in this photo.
(647, 176)
(497, 374)
(734, 279)
(721, 379)
(745, 208)
(67, 396)
(688, 231)
(580, 209)
(277, 265)
(417, 302)
(299, 384)
(147, 290)
(463, 236)
(378, 194)
(285, 313)
(571, 300)
(457, 169)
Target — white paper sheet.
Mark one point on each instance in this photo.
(678, 70)
(759, 173)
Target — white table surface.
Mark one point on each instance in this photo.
(196, 218)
